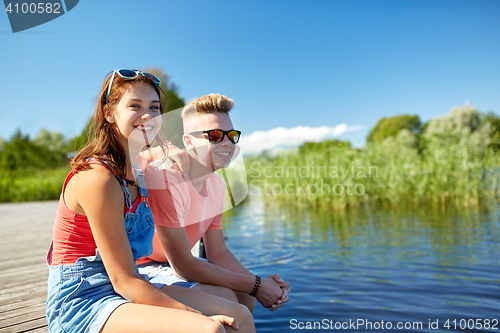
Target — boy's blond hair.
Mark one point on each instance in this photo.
(205, 104)
(213, 102)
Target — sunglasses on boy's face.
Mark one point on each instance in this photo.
(217, 135)
(130, 74)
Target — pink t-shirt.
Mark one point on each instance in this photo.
(178, 205)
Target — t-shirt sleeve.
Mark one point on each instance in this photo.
(167, 207)
(216, 223)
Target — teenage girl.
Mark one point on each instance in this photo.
(104, 224)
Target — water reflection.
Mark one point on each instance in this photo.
(370, 263)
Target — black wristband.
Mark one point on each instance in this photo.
(256, 287)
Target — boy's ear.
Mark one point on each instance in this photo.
(188, 142)
(108, 115)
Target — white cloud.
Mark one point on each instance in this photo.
(259, 141)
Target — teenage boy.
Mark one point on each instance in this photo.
(185, 210)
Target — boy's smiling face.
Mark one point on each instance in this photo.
(211, 155)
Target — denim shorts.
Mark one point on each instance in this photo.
(161, 274)
(81, 297)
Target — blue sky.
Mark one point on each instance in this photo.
(285, 63)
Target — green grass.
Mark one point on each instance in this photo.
(390, 174)
(32, 185)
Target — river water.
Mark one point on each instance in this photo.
(374, 270)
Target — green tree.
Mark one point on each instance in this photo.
(458, 121)
(390, 127)
(21, 153)
(461, 132)
(53, 141)
(2, 144)
(494, 121)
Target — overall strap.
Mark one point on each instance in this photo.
(139, 176)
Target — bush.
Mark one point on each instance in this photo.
(32, 185)
(390, 127)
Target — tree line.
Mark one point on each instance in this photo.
(461, 124)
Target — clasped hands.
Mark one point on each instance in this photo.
(273, 292)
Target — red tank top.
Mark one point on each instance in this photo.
(72, 237)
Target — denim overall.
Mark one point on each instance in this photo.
(80, 295)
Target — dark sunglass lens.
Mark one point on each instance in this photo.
(155, 78)
(233, 136)
(215, 136)
(127, 73)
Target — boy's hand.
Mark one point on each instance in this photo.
(269, 292)
(285, 287)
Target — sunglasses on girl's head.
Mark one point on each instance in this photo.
(130, 74)
(217, 135)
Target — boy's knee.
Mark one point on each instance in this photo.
(214, 327)
(243, 312)
(229, 294)
(246, 300)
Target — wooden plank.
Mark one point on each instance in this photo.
(25, 234)
(20, 305)
(38, 330)
(40, 292)
(13, 272)
(20, 251)
(26, 326)
(23, 289)
(7, 267)
(27, 280)
(20, 311)
(22, 315)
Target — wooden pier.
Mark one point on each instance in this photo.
(25, 235)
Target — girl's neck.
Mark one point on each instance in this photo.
(131, 156)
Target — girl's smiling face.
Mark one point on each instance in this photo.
(137, 116)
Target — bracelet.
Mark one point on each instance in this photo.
(256, 287)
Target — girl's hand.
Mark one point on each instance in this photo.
(180, 160)
(225, 320)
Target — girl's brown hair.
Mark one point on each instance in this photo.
(103, 144)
